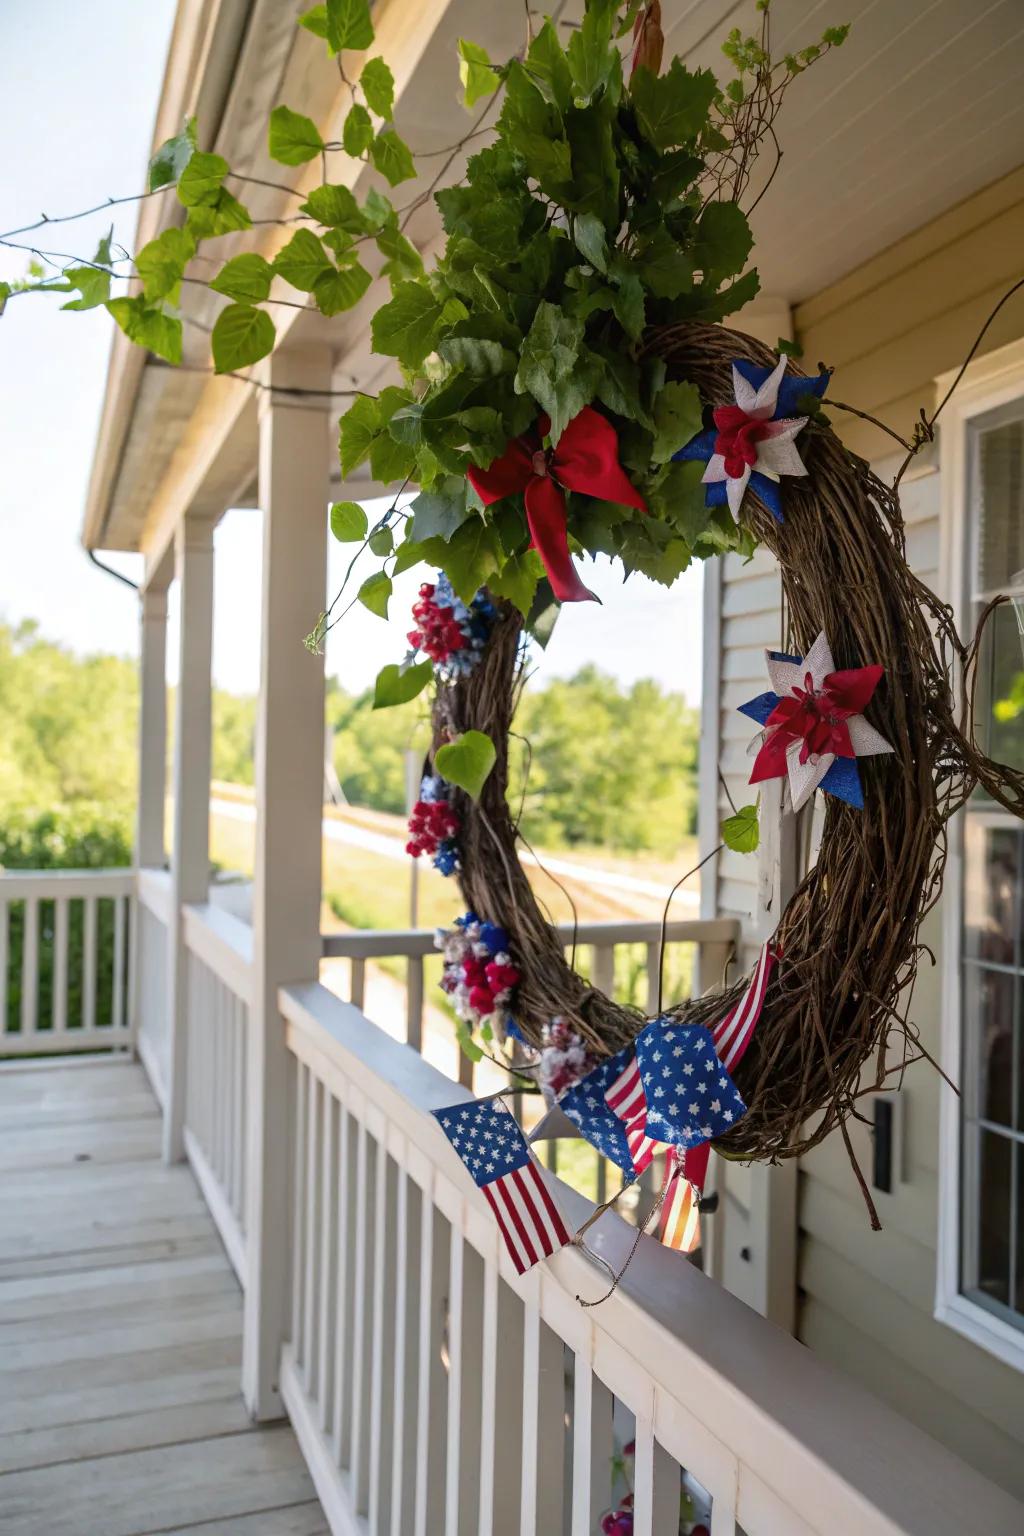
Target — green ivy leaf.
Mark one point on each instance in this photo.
(377, 211)
(172, 157)
(241, 336)
(533, 128)
(302, 260)
(93, 287)
(219, 217)
(467, 761)
(593, 60)
(439, 514)
(381, 542)
(201, 180)
(467, 1045)
(741, 832)
(357, 133)
(518, 580)
(677, 418)
(549, 367)
(477, 356)
(340, 288)
(378, 85)
(391, 156)
(336, 207)
(357, 430)
(476, 73)
(315, 21)
(666, 268)
(472, 555)
(349, 24)
(348, 522)
(672, 108)
(397, 685)
(293, 139)
(407, 327)
(246, 278)
(162, 261)
(723, 241)
(411, 553)
(148, 327)
(375, 593)
(402, 259)
(589, 234)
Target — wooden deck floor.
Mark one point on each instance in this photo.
(120, 1331)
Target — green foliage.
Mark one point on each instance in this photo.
(740, 832)
(148, 326)
(391, 156)
(246, 278)
(348, 522)
(162, 262)
(375, 593)
(241, 336)
(467, 761)
(476, 73)
(378, 86)
(172, 157)
(293, 139)
(397, 685)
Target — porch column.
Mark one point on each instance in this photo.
(294, 464)
(149, 827)
(190, 857)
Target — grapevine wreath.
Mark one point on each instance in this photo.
(562, 387)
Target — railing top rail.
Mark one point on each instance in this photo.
(153, 888)
(22, 884)
(376, 943)
(794, 1433)
(224, 943)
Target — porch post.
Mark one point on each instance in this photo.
(149, 828)
(294, 463)
(190, 857)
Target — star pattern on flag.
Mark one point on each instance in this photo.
(814, 728)
(487, 1138)
(685, 1107)
(586, 1107)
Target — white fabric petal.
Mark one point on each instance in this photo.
(715, 470)
(785, 675)
(767, 396)
(818, 661)
(736, 486)
(804, 778)
(779, 456)
(864, 739)
(746, 394)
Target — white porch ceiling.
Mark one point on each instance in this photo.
(921, 107)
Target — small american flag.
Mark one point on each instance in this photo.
(626, 1098)
(680, 1215)
(494, 1150)
(732, 1034)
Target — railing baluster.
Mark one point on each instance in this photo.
(653, 1000)
(381, 1404)
(432, 1394)
(340, 1416)
(310, 1319)
(358, 984)
(465, 1336)
(4, 963)
(603, 968)
(328, 1257)
(30, 966)
(89, 965)
(543, 1475)
(117, 1009)
(60, 966)
(655, 1487)
(414, 1003)
(302, 1080)
(404, 1382)
(362, 1314)
(591, 1448)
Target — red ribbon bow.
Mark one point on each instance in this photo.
(585, 458)
(816, 718)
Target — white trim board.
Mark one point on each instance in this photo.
(992, 381)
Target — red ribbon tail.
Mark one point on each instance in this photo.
(545, 515)
(770, 762)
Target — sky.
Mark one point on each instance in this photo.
(92, 142)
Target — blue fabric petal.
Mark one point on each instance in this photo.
(760, 708)
(770, 493)
(717, 494)
(700, 447)
(792, 387)
(843, 781)
(795, 661)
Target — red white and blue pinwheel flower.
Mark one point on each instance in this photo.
(752, 442)
(814, 726)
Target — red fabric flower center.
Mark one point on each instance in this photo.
(738, 436)
(817, 718)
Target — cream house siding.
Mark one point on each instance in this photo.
(866, 1299)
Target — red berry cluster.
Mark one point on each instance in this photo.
(432, 822)
(437, 630)
(487, 981)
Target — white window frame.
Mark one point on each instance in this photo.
(993, 381)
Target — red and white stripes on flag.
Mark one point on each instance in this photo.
(626, 1098)
(680, 1216)
(529, 1220)
(732, 1034)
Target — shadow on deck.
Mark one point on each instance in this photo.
(121, 1329)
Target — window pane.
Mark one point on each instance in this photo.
(999, 495)
(994, 1221)
(988, 1020)
(992, 892)
(999, 701)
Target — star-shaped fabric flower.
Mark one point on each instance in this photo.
(752, 441)
(814, 726)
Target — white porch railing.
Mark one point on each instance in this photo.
(219, 963)
(64, 941)
(152, 1039)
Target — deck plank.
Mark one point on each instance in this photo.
(120, 1331)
